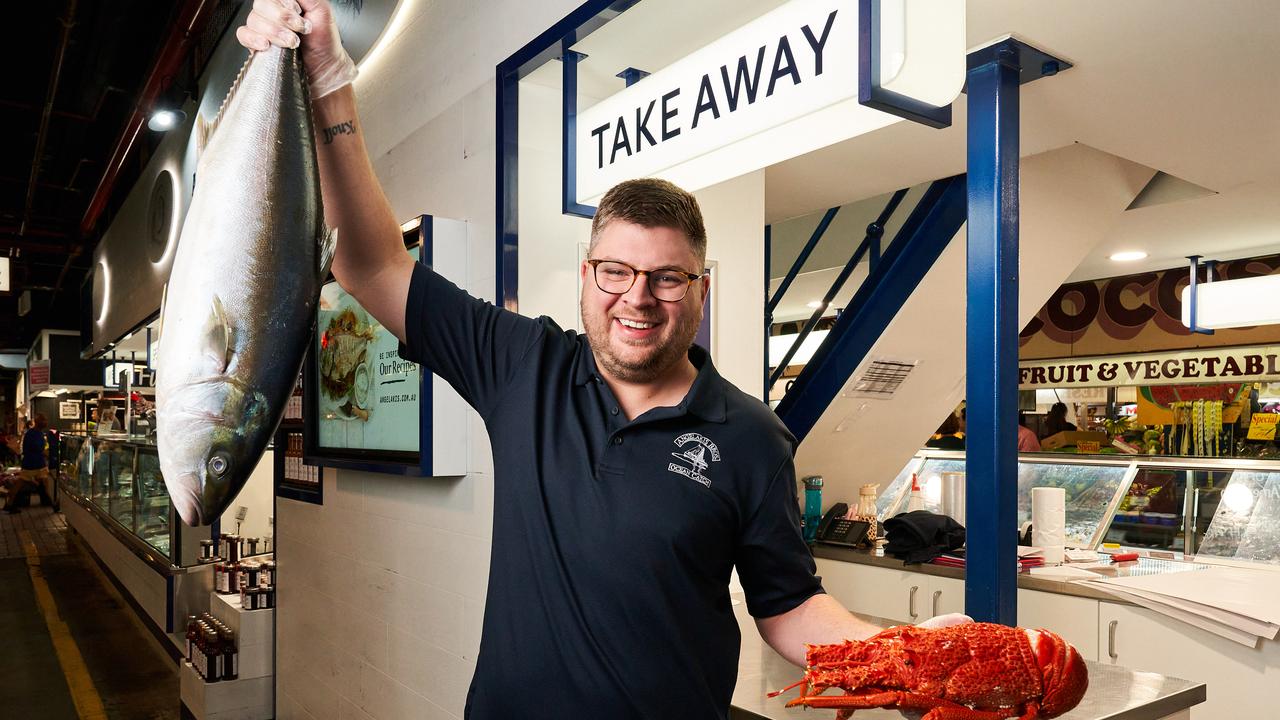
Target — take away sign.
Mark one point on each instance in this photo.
(780, 86)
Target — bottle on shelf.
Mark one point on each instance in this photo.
(230, 656)
(867, 510)
(191, 636)
(213, 653)
(916, 501)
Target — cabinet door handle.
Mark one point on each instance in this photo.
(911, 602)
(1111, 639)
(936, 594)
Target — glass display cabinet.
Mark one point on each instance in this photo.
(120, 482)
(1213, 509)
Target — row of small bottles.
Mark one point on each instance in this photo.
(211, 649)
(254, 581)
(295, 468)
(232, 547)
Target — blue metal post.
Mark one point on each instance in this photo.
(992, 331)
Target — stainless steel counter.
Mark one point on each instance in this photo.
(1114, 693)
(1026, 581)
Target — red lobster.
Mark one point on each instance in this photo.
(977, 671)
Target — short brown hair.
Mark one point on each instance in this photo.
(652, 203)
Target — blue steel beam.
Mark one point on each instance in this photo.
(922, 238)
(818, 232)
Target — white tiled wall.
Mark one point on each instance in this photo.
(381, 589)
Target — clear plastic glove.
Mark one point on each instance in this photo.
(947, 620)
(309, 26)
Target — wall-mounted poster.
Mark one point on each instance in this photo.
(363, 401)
(69, 410)
(368, 395)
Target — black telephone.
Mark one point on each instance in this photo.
(836, 530)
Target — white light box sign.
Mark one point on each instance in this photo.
(780, 86)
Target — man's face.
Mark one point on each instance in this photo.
(635, 336)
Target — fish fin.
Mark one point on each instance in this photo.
(217, 336)
(328, 245)
(203, 128)
(210, 126)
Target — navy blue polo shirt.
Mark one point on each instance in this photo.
(613, 540)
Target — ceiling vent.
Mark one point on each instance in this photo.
(881, 379)
(1164, 188)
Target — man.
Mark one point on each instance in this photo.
(1027, 440)
(630, 479)
(35, 467)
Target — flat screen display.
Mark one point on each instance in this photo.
(364, 396)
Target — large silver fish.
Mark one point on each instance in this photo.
(240, 304)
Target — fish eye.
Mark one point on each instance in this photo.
(219, 464)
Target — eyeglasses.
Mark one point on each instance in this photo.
(617, 278)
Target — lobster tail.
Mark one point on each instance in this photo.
(1065, 677)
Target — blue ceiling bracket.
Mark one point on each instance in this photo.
(569, 146)
(995, 74)
(1210, 265)
(632, 76)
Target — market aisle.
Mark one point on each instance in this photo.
(74, 648)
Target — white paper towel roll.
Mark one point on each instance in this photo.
(1048, 522)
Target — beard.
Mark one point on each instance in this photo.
(648, 361)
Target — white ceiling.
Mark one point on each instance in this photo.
(1185, 87)
(1182, 86)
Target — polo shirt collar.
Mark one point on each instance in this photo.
(705, 399)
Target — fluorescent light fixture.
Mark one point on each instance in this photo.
(106, 292)
(1128, 256)
(166, 119)
(1234, 303)
(815, 304)
(780, 344)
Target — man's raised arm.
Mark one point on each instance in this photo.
(370, 262)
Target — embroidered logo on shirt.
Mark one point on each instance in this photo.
(698, 453)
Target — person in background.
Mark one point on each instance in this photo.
(1027, 440)
(35, 467)
(949, 436)
(1056, 421)
(10, 446)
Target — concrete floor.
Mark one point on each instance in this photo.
(85, 654)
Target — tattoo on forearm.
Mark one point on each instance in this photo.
(346, 128)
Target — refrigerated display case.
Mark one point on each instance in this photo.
(120, 482)
(1209, 508)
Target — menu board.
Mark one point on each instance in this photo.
(367, 396)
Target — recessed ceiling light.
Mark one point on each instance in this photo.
(814, 304)
(1128, 256)
(166, 119)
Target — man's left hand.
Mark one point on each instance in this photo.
(947, 620)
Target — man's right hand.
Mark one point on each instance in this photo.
(309, 26)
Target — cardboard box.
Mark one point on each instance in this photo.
(1071, 437)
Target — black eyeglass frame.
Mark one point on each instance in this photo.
(636, 273)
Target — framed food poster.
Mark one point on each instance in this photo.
(364, 400)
